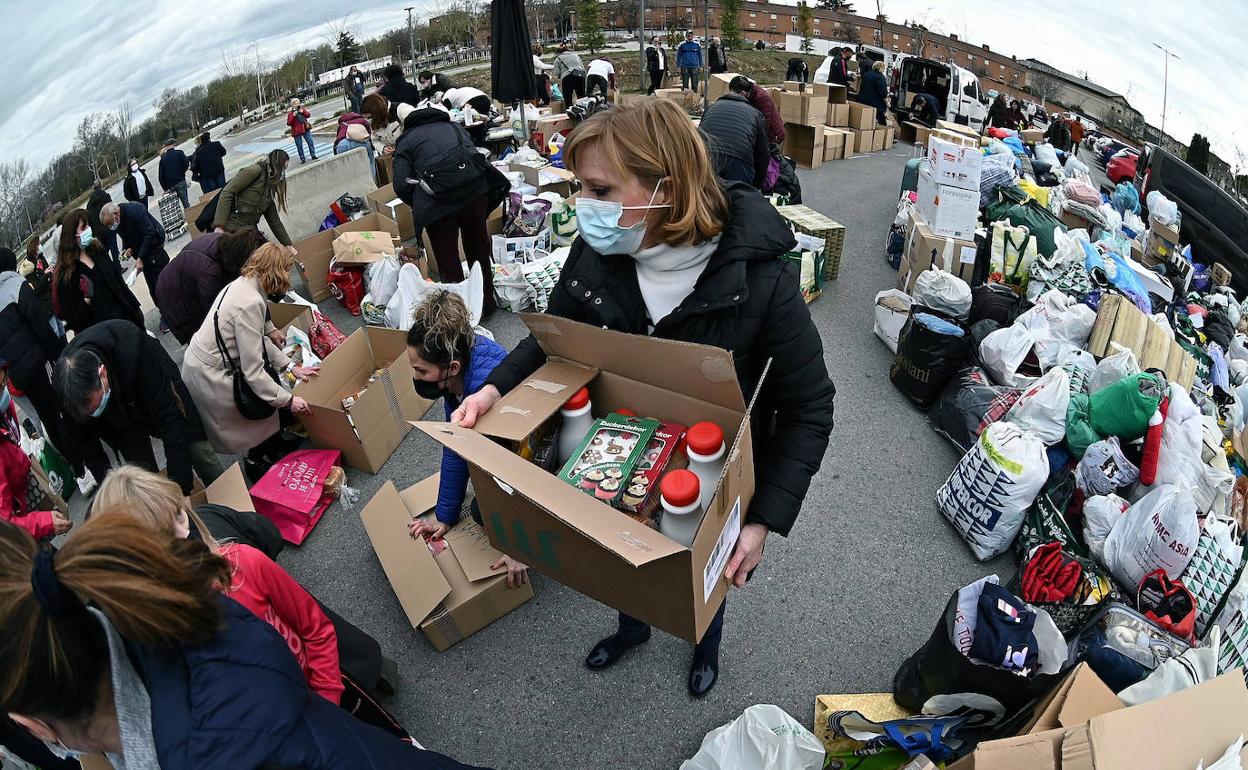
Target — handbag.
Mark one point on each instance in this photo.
(249, 405)
(455, 176)
(1214, 567)
(324, 335)
(1013, 251)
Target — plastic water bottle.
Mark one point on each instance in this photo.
(577, 421)
(704, 442)
(682, 506)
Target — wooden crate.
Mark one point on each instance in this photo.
(811, 222)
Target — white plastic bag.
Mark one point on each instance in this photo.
(1100, 513)
(1114, 367)
(1162, 209)
(1041, 409)
(1074, 165)
(1060, 324)
(944, 292)
(991, 487)
(1181, 460)
(383, 279)
(764, 736)
(413, 288)
(1003, 351)
(1158, 531)
(1230, 759)
(1196, 665)
(892, 308)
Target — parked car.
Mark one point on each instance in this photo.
(1121, 167)
(1107, 150)
(1214, 223)
(956, 89)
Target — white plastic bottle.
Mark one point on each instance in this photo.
(704, 443)
(577, 420)
(682, 506)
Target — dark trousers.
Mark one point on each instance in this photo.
(211, 183)
(656, 81)
(573, 85)
(596, 83)
(797, 74)
(151, 272)
(467, 224)
(632, 629)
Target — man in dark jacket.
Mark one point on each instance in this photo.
(656, 64)
(207, 168)
(143, 238)
(396, 89)
(172, 171)
(738, 136)
(874, 92)
(118, 385)
(798, 70)
(433, 83)
(99, 196)
(839, 74)
(1058, 134)
(28, 344)
(716, 57)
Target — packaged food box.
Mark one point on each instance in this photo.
(641, 495)
(606, 458)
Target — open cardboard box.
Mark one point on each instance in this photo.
(449, 596)
(384, 201)
(370, 430)
(195, 210)
(316, 251)
(287, 314)
(582, 542)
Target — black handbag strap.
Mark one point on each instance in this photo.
(235, 367)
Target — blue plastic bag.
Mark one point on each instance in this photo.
(1126, 198)
(1114, 267)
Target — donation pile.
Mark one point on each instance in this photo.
(1094, 379)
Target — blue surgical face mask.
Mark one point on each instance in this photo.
(99, 410)
(599, 224)
(62, 751)
(116, 223)
(85, 237)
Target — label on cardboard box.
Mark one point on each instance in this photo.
(949, 211)
(718, 561)
(954, 164)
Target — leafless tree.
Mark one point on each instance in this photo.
(234, 68)
(1043, 87)
(92, 137)
(14, 187)
(332, 30)
(125, 126)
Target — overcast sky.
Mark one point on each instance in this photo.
(77, 56)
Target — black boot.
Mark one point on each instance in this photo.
(609, 650)
(704, 671)
(388, 680)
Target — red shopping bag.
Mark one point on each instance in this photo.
(292, 493)
(347, 286)
(323, 335)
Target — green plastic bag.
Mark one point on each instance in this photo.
(59, 473)
(1124, 408)
(1039, 220)
(1079, 433)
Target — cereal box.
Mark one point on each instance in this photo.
(605, 460)
(641, 495)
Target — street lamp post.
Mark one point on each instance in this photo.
(312, 58)
(1165, 87)
(641, 46)
(411, 38)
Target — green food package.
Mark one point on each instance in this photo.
(605, 460)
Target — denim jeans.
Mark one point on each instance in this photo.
(689, 77)
(306, 136)
(207, 185)
(351, 144)
(180, 189)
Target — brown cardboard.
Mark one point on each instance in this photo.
(385, 169)
(195, 210)
(837, 94)
(583, 543)
(833, 144)
(1041, 751)
(923, 249)
(837, 115)
(1120, 322)
(447, 596)
(1075, 222)
(890, 136)
(400, 213)
(921, 134)
(957, 128)
(1080, 696)
(804, 144)
(549, 125)
(717, 86)
(863, 140)
(955, 138)
(230, 489)
(1031, 135)
(314, 253)
(877, 140)
(807, 109)
(357, 249)
(287, 314)
(861, 116)
(370, 430)
(376, 222)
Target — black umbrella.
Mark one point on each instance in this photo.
(511, 62)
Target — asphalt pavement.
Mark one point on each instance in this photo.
(834, 608)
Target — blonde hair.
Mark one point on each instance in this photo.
(270, 265)
(878, 66)
(151, 498)
(653, 140)
(441, 329)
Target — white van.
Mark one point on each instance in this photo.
(955, 88)
(874, 53)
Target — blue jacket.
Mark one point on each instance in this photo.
(142, 234)
(485, 355)
(172, 168)
(240, 702)
(689, 54)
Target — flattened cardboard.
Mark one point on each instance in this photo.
(409, 566)
(230, 489)
(957, 128)
(376, 240)
(522, 410)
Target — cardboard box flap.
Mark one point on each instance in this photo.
(682, 367)
(471, 546)
(521, 411)
(1080, 696)
(619, 536)
(230, 490)
(1178, 731)
(417, 580)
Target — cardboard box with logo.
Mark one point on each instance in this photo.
(953, 164)
(804, 144)
(446, 588)
(949, 211)
(578, 540)
(383, 201)
(316, 251)
(369, 430)
(924, 249)
(861, 117)
(805, 109)
(1161, 243)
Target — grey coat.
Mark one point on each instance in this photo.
(244, 324)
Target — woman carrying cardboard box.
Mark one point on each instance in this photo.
(667, 250)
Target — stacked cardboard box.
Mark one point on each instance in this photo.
(806, 220)
(802, 108)
(925, 249)
(954, 164)
(804, 144)
(950, 212)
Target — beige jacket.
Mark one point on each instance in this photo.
(244, 324)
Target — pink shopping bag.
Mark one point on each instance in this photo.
(292, 493)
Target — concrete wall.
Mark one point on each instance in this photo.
(311, 188)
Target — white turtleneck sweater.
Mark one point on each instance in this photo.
(666, 275)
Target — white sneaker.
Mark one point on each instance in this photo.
(87, 483)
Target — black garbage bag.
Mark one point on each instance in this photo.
(788, 183)
(995, 301)
(930, 350)
(1218, 329)
(968, 404)
(979, 330)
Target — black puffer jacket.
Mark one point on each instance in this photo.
(738, 139)
(746, 301)
(27, 343)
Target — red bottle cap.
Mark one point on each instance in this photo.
(705, 438)
(680, 488)
(626, 412)
(578, 400)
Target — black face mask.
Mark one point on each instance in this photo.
(431, 391)
(277, 296)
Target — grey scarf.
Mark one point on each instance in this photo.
(134, 706)
(10, 285)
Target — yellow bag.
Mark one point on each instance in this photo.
(1040, 194)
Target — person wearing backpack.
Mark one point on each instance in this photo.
(451, 189)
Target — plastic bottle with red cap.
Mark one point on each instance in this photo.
(578, 419)
(704, 444)
(682, 506)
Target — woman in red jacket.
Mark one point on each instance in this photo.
(15, 475)
(258, 583)
(300, 122)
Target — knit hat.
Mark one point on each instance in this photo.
(402, 110)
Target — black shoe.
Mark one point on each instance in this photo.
(703, 673)
(387, 681)
(254, 470)
(608, 651)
